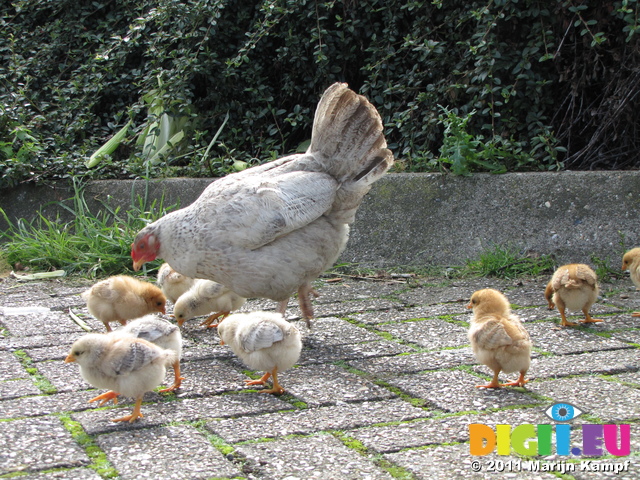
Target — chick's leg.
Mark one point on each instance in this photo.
(517, 383)
(276, 386)
(494, 383)
(261, 381)
(211, 318)
(635, 314)
(106, 397)
(587, 317)
(561, 307)
(177, 379)
(134, 415)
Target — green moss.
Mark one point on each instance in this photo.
(39, 380)
(99, 461)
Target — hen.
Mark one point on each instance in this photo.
(205, 297)
(498, 338)
(573, 287)
(264, 341)
(124, 365)
(122, 298)
(172, 283)
(162, 333)
(631, 262)
(271, 230)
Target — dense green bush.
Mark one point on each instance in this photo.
(521, 85)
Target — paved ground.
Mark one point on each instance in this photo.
(384, 389)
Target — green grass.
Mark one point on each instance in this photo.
(508, 262)
(92, 244)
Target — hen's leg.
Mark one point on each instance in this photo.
(304, 300)
(282, 306)
(276, 386)
(493, 383)
(177, 379)
(105, 397)
(134, 415)
(209, 321)
(517, 383)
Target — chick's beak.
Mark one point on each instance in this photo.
(469, 306)
(221, 342)
(70, 358)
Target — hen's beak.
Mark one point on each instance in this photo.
(137, 264)
(70, 358)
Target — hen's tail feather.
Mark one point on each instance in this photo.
(348, 137)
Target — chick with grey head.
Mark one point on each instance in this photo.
(123, 365)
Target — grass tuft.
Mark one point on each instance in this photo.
(91, 244)
(509, 262)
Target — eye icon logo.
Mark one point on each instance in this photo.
(562, 412)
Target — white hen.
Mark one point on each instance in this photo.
(271, 230)
(124, 365)
(205, 297)
(263, 341)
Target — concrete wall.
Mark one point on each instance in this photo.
(435, 219)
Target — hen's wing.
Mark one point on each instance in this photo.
(254, 211)
(260, 335)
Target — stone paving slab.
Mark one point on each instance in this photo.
(343, 416)
(385, 385)
(38, 444)
(325, 458)
(173, 452)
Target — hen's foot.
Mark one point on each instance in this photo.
(106, 397)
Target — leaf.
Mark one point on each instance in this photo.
(109, 147)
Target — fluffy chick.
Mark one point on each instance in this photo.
(204, 297)
(631, 262)
(263, 341)
(162, 333)
(122, 298)
(498, 338)
(124, 365)
(573, 287)
(172, 283)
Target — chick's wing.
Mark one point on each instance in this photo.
(492, 335)
(128, 355)
(260, 335)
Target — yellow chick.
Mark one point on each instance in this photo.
(263, 341)
(124, 365)
(631, 262)
(122, 298)
(204, 297)
(162, 333)
(498, 338)
(172, 283)
(573, 287)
